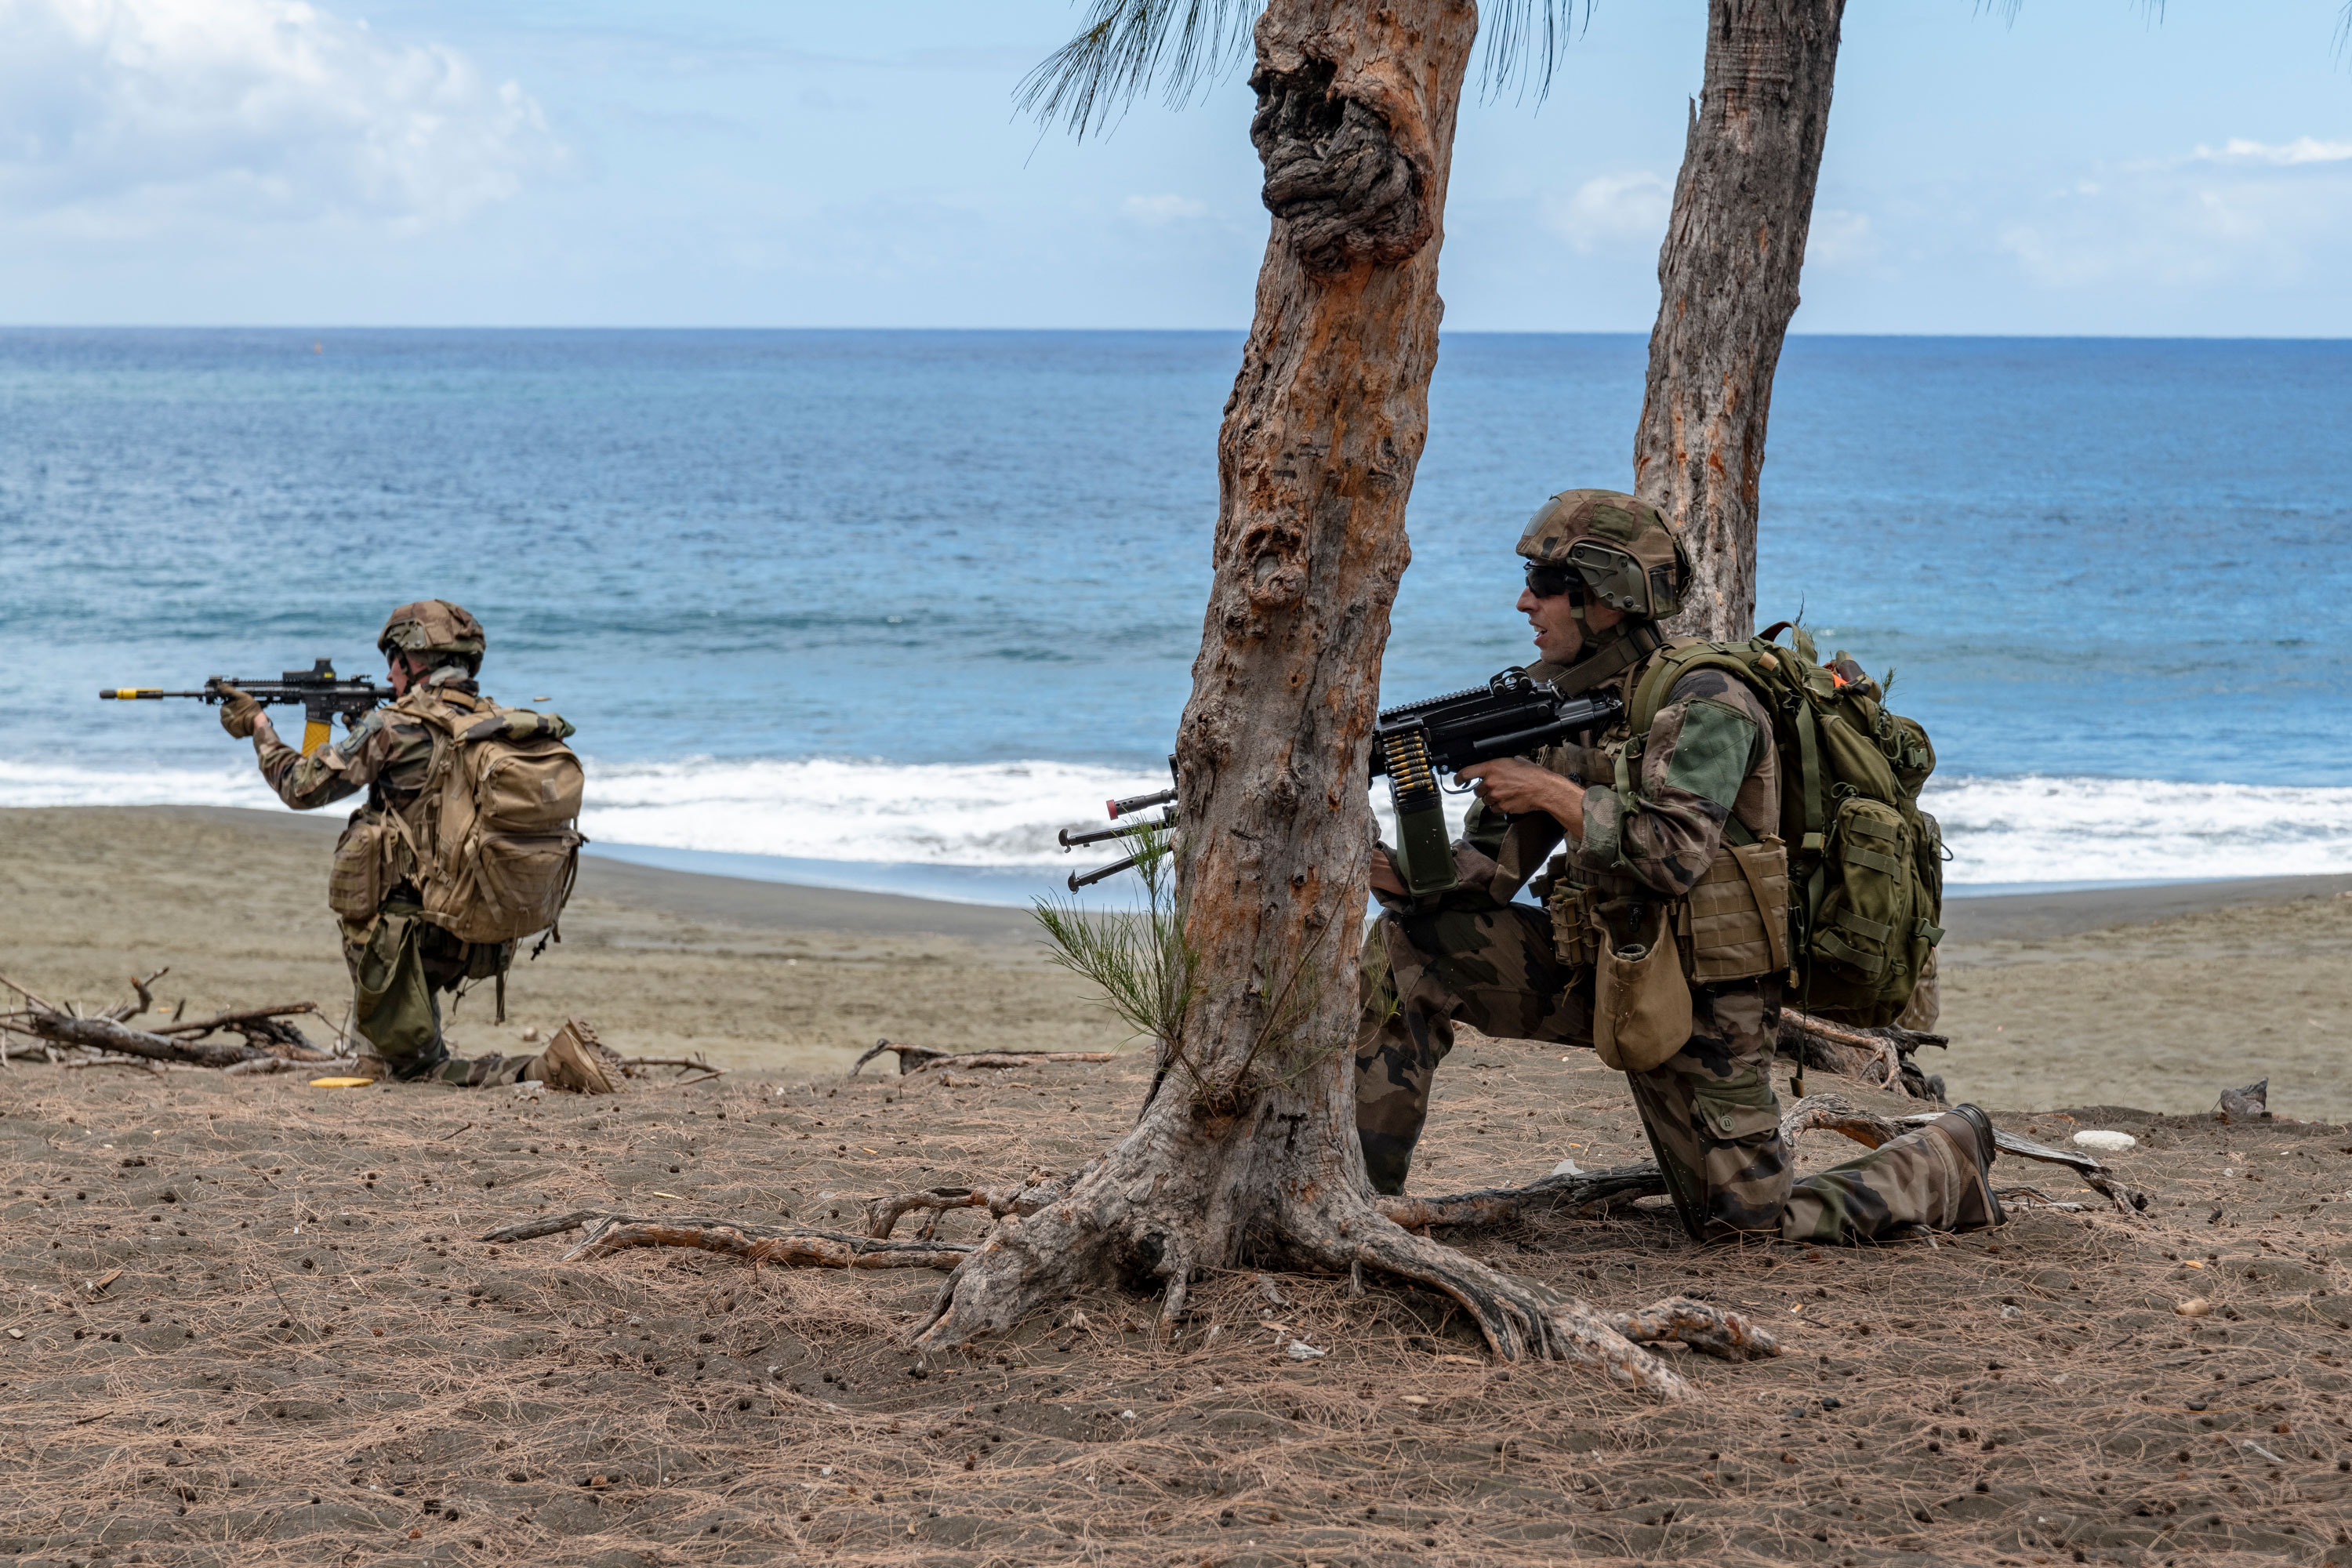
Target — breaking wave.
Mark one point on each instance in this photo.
(2011, 831)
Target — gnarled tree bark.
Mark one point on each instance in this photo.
(1246, 1151)
(1728, 284)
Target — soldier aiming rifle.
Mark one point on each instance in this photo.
(465, 845)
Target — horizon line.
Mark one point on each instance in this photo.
(1125, 331)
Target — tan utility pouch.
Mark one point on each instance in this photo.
(1642, 1013)
(368, 860)
(1572, 934)
(1736, 919)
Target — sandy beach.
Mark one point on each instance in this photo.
(2156, 997)
(667, 963)
(248, 1322)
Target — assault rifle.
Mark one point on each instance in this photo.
(1414, 746)
(318, 691)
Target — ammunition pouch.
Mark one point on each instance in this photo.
(1734, 920)
(1642, 1007)
(371, 858)
(1572, 909)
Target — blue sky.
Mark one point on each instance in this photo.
(593, 163)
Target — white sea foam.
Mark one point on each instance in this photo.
(2043, 829)
(934, 814)
(47, 784)
(2000, 830)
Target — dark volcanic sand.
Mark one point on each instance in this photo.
(307, 1358)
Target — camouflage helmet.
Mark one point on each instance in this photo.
(1619, 548)
(433, 626)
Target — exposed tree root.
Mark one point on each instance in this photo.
(1041, 1187)
(1499, 1206)
(1881, 1056)
(922, 1058)
(1134, 1216)
(1703, 1326)
(1836, 1113)
(790, 1248)
(1521, 1320)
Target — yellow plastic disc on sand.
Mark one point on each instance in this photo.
(341, 1082)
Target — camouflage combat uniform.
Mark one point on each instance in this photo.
(399, 962)
(1708, 772)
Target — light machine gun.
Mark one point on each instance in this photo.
(1415, 746)
(318, 691)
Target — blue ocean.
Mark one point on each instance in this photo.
(886, 609)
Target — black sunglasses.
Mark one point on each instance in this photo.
(1549, 582)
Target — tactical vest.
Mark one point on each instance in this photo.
(1844, 900)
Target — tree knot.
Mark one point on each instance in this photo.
(1334, 172)
(1277, 574)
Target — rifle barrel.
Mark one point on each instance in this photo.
(1071, 840)
(1088, 879)
(1118, 809)
(129, 693)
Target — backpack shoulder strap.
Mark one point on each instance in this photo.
(1665, 671)
(1741, 659)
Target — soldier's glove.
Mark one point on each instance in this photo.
(238, 712)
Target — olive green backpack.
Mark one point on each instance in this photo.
(1865, 863)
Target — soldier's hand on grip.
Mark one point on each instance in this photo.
(238, 712)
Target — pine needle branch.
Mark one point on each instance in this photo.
(1126, 48)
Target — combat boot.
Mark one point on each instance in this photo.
(567, 1064)
(1969, 1131)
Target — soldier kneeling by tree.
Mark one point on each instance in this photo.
(1657, 940)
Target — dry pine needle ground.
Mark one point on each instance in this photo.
(306, 1357)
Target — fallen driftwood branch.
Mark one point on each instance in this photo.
(106, 1035)
(264, 1027)
(1881, 1055)
(27, 996)
(922, 1058)
(127, 1011)
(110, 1040)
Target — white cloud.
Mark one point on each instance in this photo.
(1158, 212)
(2302, 149)
(2250, 214)
(124, 117)
(1835, 236)
(1613, 209)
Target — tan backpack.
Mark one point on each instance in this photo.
(501, 802)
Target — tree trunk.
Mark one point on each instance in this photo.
(1728, 284)
(1247, 1151)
